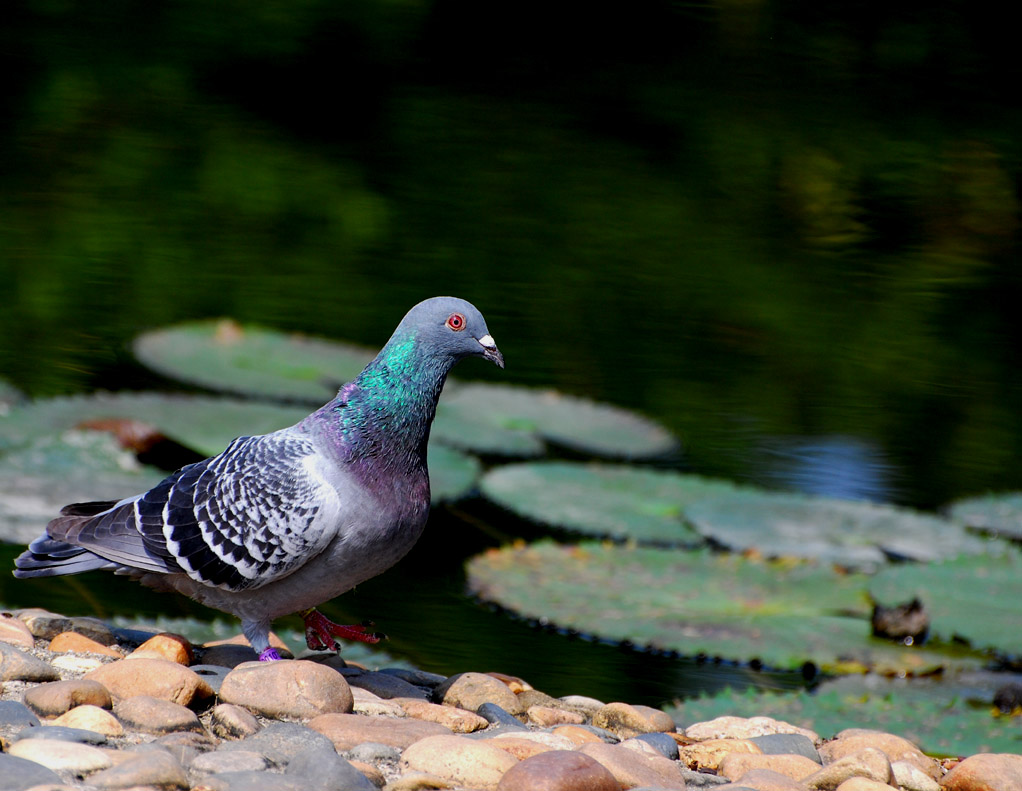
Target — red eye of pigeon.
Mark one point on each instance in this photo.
(456, 322)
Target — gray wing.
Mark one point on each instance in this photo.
(237, 521)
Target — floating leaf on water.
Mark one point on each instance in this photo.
(947, 716)
(783, 614)
(205, 424)
(40, 478)
(850, 533)
(248, 360)
(452, 474)
(603, 500)
(498, 419)
(977, 597)
(1000, 514)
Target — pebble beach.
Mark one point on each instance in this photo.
(85, 705)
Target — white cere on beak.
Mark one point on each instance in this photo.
(487, 342)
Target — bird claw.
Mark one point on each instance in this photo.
(320, 632)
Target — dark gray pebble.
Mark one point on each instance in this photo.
(419, 678)
(662, 743)
(324, 770)
(787, 743)
(279, 742)
(386, 686)
(62, 733)
(254, 781)
(493, 713)
(19, 774)
(14, 714)
(213, 675)
(373, 752)
(17, 665)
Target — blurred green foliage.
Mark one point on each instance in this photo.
(748, 219)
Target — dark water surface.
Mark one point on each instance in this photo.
(789, 231)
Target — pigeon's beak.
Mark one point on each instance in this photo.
(490, 351)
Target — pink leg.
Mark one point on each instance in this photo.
(320, 632)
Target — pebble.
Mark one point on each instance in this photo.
(155, 768)
(520, 748)
(583, 703)
(76, 664)
(787, 744)
(514, 683)
(61, 733)
(797, 767)
(374, 752)
(863, 784)
(227, 761)
(14, 713)
(632, 769)
(322, 768)
(869, 763)
(558, 770)
(985, 772)
(729, 727)
(14, 631)
(458, 720)
(466, 762)
(626, 720)
(279, 742)
(493, 713)
(44, 624)
(368, 703)
(347, 730)
(157, 678)
(91, 718)
(166, 645)
(213, 675)
(472, 690)
(94, 629)
(549, 740)
(20, 774)
(60, 756)
(662, 743)
(155, 715)
(17, 665)
(57, 697)
(73, 641)
(233, 722)
(548, 716)
(576, 734)
(387, 686)
(767, 780)
(911, 778)
(894, 747)
(297, 689)
(419, 678)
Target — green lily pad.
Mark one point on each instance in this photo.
(602, 500)
(40, 478)
(1000, 514)
(949, 716)
(452, 474)
(248, 360)
(978, 598)
(700, 603)
(514, 421)
(850, 533)
(206, 424)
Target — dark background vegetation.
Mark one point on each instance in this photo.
(768, 224)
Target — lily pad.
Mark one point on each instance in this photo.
(851, 533)
(513, 421)
(999, 514)
(227, 357)
(452, 474)
(978, 598)
(602, 500)
(783, 614)
(37, 480)
(205, 424)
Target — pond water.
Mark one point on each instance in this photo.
(790, 232)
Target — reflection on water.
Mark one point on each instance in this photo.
(790, 231)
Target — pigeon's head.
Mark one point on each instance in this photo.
(452, 328)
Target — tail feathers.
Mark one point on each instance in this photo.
(46, 557)
(88, 509)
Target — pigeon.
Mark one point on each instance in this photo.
(280, 523)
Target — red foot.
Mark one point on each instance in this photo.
(320, 632)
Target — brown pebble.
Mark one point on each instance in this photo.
(520, 748)
(91, 718)
(633, 769)
(513, 683)
(374, 775)
(298, 689)
(471, 690)
(233, 722)
(769, 780)
(547, 716)
(894, 747)
(14, 631)
(465, 761)
(458, 720)
(863, 784)
(797, 767)
(418, 781)
(728, 727)
(558, 770)
(43, 623)
(155, 715)
(72, 641)
(154, 768)
(985, 772)
(348, 730)
(577, 735)
(158, 678)
(167, 645)
(58, 697)
(627, 720)
(710, 753)
(869, 763)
